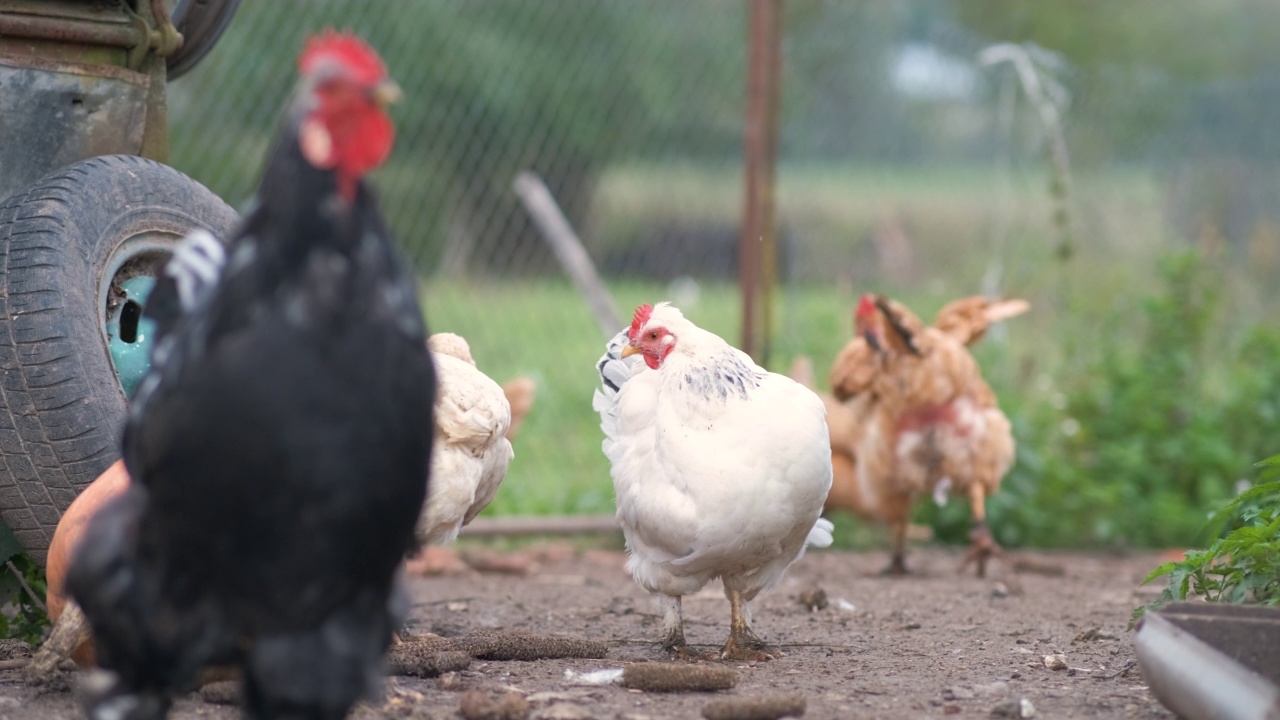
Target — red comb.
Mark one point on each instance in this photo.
(866, 306)
(355, 55)
(639, 319)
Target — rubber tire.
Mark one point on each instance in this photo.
(201, 23)
(61, 407)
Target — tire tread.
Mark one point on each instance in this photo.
(59, 427)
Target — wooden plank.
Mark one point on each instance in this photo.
(541, 525)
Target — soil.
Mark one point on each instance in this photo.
(931, 644)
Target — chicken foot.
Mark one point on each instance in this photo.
(743, 643)
(982, 546)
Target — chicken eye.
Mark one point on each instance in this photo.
(653, 334)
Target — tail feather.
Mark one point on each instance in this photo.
(613, 368)
(614, 371)
(822, 534)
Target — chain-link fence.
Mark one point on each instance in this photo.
(910, 161)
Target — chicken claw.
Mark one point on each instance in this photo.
(982, 547)
(897, 567)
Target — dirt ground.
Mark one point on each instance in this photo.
(932, 644)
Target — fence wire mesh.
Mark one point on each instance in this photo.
(914, 159)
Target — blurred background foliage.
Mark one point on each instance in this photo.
(1143, 384)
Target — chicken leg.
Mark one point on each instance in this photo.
(897, 562)
(672, 624)
(982, 546)
(743, 644)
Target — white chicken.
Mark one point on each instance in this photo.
(471, 451)
(720, 468)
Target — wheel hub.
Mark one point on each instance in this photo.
(129, 333)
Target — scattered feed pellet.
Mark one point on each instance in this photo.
(677, 677)
(502, 645)
(425, 660)
(755, 707)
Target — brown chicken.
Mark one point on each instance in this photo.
(910, 415)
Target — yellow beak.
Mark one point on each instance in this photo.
(387, 93)
(630, 350)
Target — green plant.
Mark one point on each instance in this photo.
(22, 588)
(1153, 414)
(1241, 566)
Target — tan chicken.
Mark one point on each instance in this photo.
(910, 415)
(471, 451)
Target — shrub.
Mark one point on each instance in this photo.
(1243, 564)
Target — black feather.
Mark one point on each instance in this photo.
(278, 453)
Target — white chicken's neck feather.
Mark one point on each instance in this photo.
(713, 376)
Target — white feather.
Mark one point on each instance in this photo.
(712, 478)
(195, 265)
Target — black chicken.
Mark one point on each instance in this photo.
(278, 446)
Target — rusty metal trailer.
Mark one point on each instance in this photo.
(88, 212)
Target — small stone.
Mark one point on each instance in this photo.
(479, 705)
(950, 709)
(222, 692)
(563, 711)
(911, 626)
(958, 692)
(1057, 661)
(814, 598)
(450, 681)
(999, 687)
(1000, 590)
(1020, 708)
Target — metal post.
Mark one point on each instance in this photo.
(758, 243)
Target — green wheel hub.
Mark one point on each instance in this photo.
(129, 334)
(127, 280)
